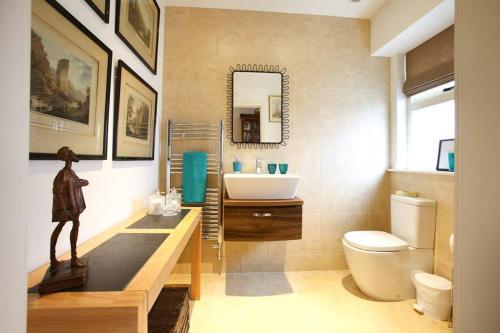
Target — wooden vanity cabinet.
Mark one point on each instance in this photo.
(262, 220)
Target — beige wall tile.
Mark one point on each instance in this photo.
(294, 263)
(253, 264)
(233, 264)
(276, 263)
(339, 121)
(249, 249)
(276, 248)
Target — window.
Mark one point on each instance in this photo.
(431, 117)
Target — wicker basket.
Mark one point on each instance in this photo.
(170, 313)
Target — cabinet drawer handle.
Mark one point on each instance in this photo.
(262, 214)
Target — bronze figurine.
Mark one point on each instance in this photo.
(68, 204)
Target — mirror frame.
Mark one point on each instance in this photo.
(285, 127)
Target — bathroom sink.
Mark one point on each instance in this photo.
(261, 186)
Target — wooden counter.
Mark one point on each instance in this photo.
(117, 311)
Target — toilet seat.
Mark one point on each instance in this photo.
(378, 241)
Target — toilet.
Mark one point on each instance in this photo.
(382, 263)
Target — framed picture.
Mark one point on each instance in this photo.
(137, 24)
(101, 7)
(275, 109)
(445, 147)
(69, 86)
(135, 116)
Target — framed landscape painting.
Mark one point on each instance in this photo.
(101, 7)
(275, 109)
(69, 85)
(135, 116)
(137, 24)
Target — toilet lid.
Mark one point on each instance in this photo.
(432, 281)
(375, 241)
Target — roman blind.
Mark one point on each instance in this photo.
(430, 64)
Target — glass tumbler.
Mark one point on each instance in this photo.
(283, 168)
(271, 167)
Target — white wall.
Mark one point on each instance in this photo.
(398, 113)
(477, 228)
(117, 188)
(400, 25)
(14, 94)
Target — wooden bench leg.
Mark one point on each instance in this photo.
(196, 263)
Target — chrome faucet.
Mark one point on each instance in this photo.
(258, 166)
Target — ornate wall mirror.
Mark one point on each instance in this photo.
(257, 106)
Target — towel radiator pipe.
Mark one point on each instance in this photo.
(212, 223)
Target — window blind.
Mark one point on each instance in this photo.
(430, 64)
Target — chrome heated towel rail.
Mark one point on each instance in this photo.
(212, 207)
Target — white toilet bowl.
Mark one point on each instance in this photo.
(382, 264)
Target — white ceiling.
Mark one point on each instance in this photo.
(346, 8)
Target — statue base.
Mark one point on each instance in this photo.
(63, 277)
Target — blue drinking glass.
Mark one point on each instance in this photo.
(237, 166)
(451, 161)
(283, 168)
(271, 167)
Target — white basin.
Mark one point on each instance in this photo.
(261, 186)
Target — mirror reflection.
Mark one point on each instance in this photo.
(257, 107)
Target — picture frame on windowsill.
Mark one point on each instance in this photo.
(446, 147)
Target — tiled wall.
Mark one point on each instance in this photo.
(442, 189)
(339, 114)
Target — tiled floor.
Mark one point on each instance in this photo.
(310, 302)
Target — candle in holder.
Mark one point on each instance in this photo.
(156, 203)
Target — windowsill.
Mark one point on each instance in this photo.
(424, 172)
